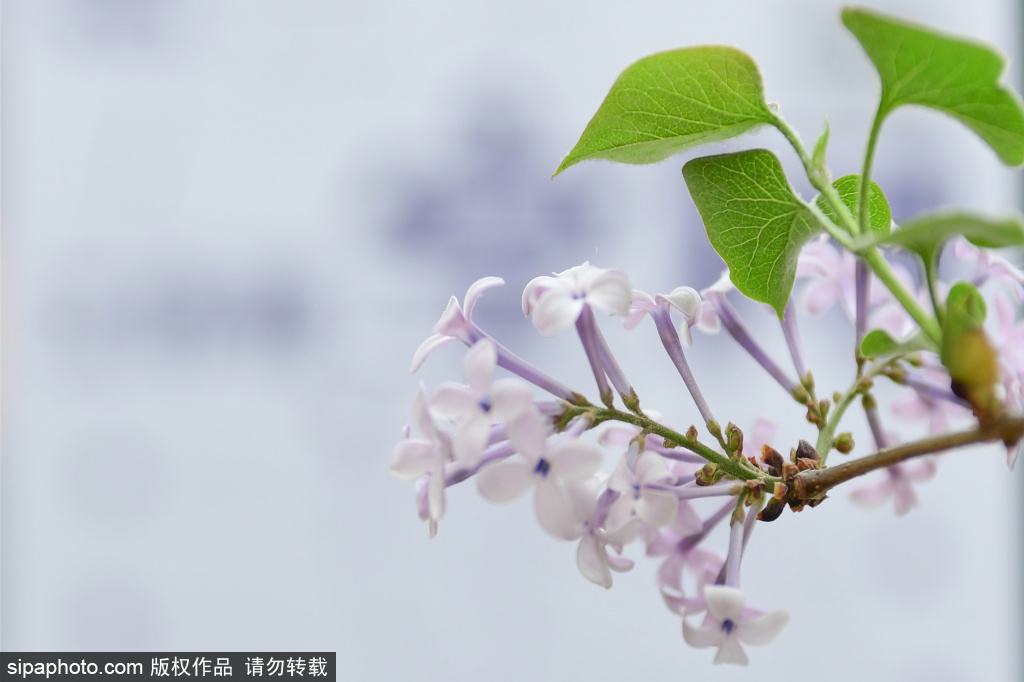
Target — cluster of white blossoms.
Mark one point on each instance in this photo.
(636, 484)
(499, 434)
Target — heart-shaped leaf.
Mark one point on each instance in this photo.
(672, 101)
(958, 77)
(877, 343)
(753, 219)
(848, 188)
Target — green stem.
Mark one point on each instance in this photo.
(865, 176)
(820, 179)
(814, 483)
(873, 257)
(737, 468)
(930, 267)
(827, 434)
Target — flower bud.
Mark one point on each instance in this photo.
(844, 443)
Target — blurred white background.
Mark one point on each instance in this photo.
(226, 228)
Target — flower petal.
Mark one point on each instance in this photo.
(555, 511)
(709, 634)
(505, 481)
(575, 460)
(414, 457)
(763, 629)
(479, 287)
(651, 468)
(725, 603)
(657, 507)
(556, 311)
(528, 434)
(428, 347)
(478, 365)
(590, 558)
(452, 401)
(470, 439)
(732, 653)
(509, 399)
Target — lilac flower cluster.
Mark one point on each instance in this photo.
(511, 442)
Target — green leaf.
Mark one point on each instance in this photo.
(920, 66)
(848, 188)
(926, 235)
(877, 343)
(818, 157)
(672, 101)
(754, 220)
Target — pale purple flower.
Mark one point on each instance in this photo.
(679, 543)
(931, 399)
(555, 303)
(728, 623)
(592, 557)
(548, 468)
(709, 322)
(416, 457)
(455, 324)
(830, 276)
(762, 433)
(897, 485)
(640, 500)
(1009, 341)
(475, 406)
(989, 266)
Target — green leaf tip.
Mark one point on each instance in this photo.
(918, 65)
(877, 343)
(925, 235)
(672, 101)
(753, 219)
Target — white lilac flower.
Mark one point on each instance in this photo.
(426, 456)
(555, 303)
(727, 624)
(684, 300)
(592, 557)
(709, 322)
(548, 468)
(455, 324)
(475, 406)
(639, 500)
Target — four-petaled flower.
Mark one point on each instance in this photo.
(555, 303)
(416, 457)
(476, 406)
(569, 460)
(728, 622)
(638, 500)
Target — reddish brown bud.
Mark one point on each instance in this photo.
(772, 510)
(773, 459)
(807, 451)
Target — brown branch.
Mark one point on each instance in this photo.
(812, 484)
